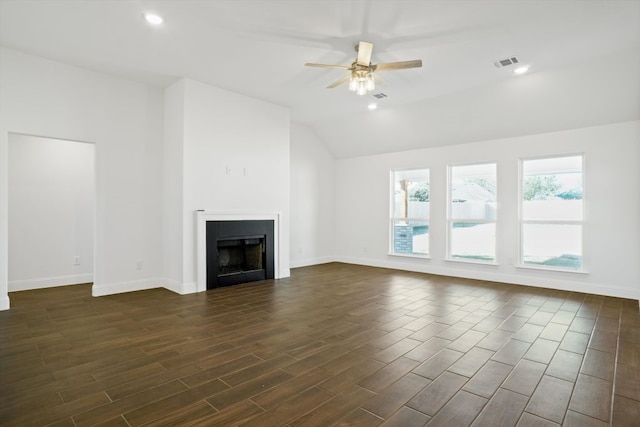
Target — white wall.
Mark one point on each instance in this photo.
(312, 199)
(173, 169)
(124, 121)
(51, 212)
(612, 208)
(235, 158)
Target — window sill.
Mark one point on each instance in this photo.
(465, 261)
(409, 255)
(558, 269)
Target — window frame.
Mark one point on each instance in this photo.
(522, 222)
(450, 220)
(393, 219)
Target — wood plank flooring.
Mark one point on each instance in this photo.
(334, 344)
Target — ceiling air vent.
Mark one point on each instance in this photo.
(506, 62)
(379, 95)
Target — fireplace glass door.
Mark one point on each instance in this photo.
(239, 252)
(237, 256)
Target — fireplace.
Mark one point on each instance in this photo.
(239, 252)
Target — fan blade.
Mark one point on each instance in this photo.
(417, 63)
(340, 67)
(339, 82)
(364, 53)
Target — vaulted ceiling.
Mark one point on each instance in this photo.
(258, 48)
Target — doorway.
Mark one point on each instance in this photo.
(51, 212)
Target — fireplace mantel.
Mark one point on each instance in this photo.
(201, 247)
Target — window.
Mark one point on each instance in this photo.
(551, 213)
(409, 212)
(472, 213)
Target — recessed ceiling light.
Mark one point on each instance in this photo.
(521, 70)
(372, 106)
(153, 18)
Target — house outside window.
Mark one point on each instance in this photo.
(472, 213)
(409, 216)
(551, 213)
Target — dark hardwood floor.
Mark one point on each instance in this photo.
(334, 344)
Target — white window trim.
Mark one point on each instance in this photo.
(471, 261)
(551, 268)
(409, 255)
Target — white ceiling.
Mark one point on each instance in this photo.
(258, 47)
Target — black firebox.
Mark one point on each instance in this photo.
(239, 252)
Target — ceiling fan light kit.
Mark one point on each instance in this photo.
(361, 79)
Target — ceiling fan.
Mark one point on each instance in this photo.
(361, 71)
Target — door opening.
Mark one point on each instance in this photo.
(51, 212)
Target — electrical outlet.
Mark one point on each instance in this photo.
(139, 265)
(76, 260)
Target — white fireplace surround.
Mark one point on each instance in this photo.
(201, 238)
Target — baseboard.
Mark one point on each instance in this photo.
(180, 288)
(49, 282)
(312, 261)
(493, 276)
(284, 273)
(102, 289)
(4, 303)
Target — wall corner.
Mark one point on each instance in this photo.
(4, 303)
